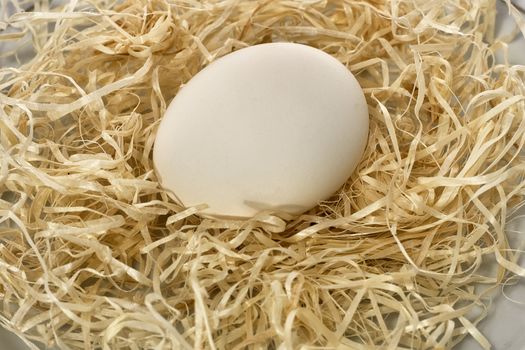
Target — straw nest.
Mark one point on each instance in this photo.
(95, 255)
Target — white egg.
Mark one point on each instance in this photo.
(271, 127)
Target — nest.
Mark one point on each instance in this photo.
(95, 255)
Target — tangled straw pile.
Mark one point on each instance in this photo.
(95, 255)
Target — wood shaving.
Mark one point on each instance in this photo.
(95, 255)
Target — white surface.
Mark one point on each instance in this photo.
(276, 126)
(504, 327)
(516, 49)
(9, 341)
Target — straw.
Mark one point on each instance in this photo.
(94, 254)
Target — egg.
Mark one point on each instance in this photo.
(276, 127)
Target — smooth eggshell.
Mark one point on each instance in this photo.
(275, 126)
